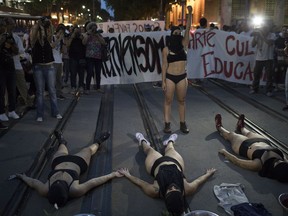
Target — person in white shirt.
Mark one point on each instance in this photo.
(264, 40)
(21, 84)
(57, 42)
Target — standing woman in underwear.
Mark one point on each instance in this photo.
(63, 180)
(174, 75)
(268, 161)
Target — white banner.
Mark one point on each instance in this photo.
(218, 54)
(137, 57)
(130, 26)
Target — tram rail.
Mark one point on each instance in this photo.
(20, 196)
(274, 141)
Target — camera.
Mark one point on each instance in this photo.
(45, 22)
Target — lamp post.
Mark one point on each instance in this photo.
(183, 2)
(93, 10)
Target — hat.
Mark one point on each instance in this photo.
(58, 193)
(174, 202)
(90, 25)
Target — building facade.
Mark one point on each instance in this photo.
(228, 12)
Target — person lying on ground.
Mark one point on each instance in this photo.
(63, 181)
(260, 156)
(169, 183)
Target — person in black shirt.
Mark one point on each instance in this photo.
(268, 161)
(63, 180)
(174, 76)
(169, 183)
(8, 49)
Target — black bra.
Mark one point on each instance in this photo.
(179, 56)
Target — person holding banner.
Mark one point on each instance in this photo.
(174, 76)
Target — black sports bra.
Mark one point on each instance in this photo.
(179, 56)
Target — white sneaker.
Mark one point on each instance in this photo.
(269, 94)
(58, 116)
(172, 138)
(140, 138)
(39, 119)
(13, 115)
(3, 117)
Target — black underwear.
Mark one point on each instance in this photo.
(164, 159)
(247, 143)
(259, 152)
(176, 78)
(70, 158)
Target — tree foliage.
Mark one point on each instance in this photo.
(134, 9)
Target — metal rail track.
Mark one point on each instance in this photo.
(98, 201)
(20, 197)
(150, 127)
(274, 141)
(255, 103)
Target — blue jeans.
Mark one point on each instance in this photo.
(45, 74)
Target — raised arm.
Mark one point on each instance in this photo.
(188, 27)
(254, 165)
(39, 186)
(191, 187)
(149, 189)
(164, 67)
(83, 188)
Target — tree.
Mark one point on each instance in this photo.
(134, 9)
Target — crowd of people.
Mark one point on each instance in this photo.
(43, 61)
(75, 53)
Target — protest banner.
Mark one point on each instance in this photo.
(137, 57)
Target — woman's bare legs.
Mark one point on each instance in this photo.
(87, 152)
(234, 138)
(151, 154)
(170, 150)
(240, 126)
(169, 95)
(181, 91)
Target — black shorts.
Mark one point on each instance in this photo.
(247, 143)
(164, 159)
(176, 78)
(73, 159)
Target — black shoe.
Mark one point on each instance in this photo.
(285, 108)
(60, 138)
(183, 127)
(3, 127)
(167, 128)
(240, 123)
(218, 121)
(103, 136)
